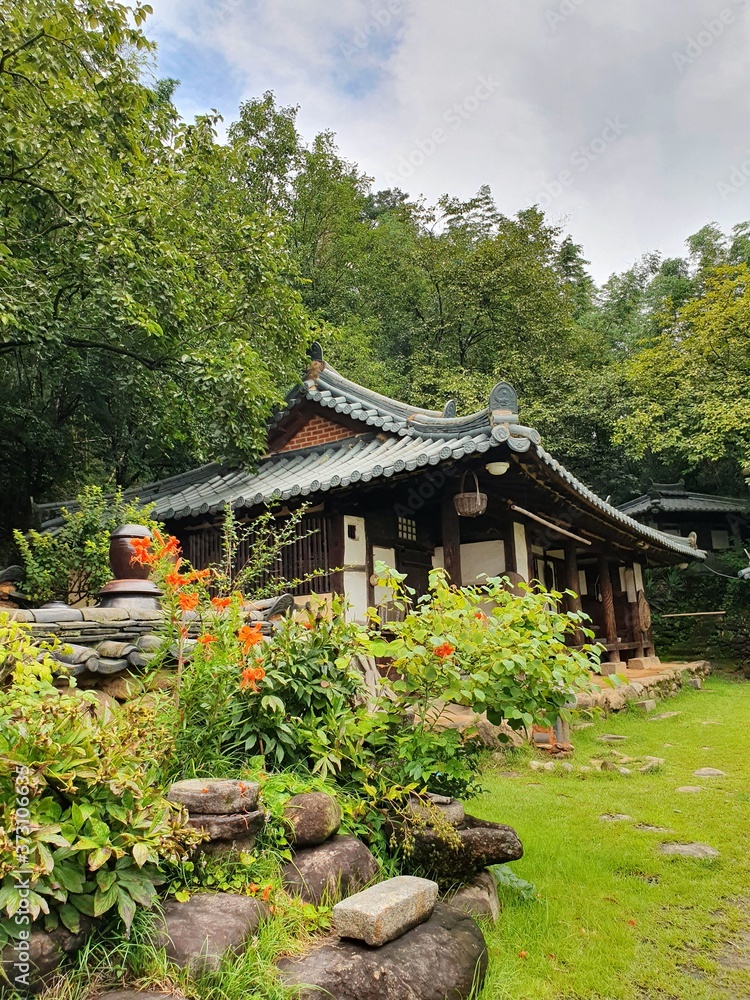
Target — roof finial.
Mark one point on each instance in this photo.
(503, 398)
(449, 410)
(315, 352)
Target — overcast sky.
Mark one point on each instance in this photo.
(625, 119)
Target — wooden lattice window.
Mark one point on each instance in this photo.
(407, 529)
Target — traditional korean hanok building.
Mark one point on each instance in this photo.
(417, 488)
(715, 523)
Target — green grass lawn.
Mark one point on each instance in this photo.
(614, 918)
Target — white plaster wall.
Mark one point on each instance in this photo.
(355, 588)
(388, 556)
(522, 552)
(355, 567)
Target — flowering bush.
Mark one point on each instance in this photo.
(486, 648)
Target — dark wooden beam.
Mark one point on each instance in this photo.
(571, 583)
(336, 552)
(509, 542)
(451, 540)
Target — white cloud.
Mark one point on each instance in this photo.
(385, 74)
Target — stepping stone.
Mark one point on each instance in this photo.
(647, 828)
(197, 933)
(709, 772)
(647, 705)
(612, 738)
(615, 817)
(695, 682)
(701, 851)
(385, 911)
(710, 723)
(664, 715)
(132, 995)
(689, 788)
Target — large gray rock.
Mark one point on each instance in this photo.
(385, 911)
(215, 796)
(337, 868)
(197, 933)
(425, 807)
(311, 818)
(30, 968)
(709, 772)
(466, 851)
(478, 898)
(442, 959)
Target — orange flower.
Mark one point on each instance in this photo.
(207, 639)
(308, 625)
(444, 651)
(188, 602)
(266, 893)
(141, 554)
(250, 677)
(250, 635)
(220, 603)
(480, 616)
(174, 580)
(198, 575)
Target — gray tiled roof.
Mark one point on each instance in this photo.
(674, 498)
(395, 438)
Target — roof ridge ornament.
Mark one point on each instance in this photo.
(503, 403)
(315, 352)
(449, 410)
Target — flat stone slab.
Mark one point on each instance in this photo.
(612, 738)
(197, 933)
(385, 911)
(648, 828)
(664, 715)
(238, 826)
(709, 772)
(689, 850)
(311, 818)
(441, 959)
(615, 817)
(215, 796)
(691, 789)
(338, 867)
(646, 705)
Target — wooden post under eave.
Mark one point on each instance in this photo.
(336, 552)
(451, 541)
(509, 544)
(571, 583)
(608, 607)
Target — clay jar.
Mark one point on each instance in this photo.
(121, 553)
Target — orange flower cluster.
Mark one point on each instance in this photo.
(148, 554)
(253, 889)
(250, 635)
(444, 651)
(480, 616)
(207, 639)
(188, 602)
(175, 579)
(221, 603)
(251, 676)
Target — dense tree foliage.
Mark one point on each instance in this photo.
(157, 289)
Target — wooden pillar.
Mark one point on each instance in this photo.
(509, 544)
(336, 546)
(451, 540)
(608, 607)
(571, 583)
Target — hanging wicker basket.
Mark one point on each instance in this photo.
(470, 504)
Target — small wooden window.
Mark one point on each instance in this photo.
(407, 529)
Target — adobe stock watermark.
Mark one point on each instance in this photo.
(21, 962)
(427, 489)
(562, 12)
(711, 30)
(454, 118)
(581, 160)
(374, 26)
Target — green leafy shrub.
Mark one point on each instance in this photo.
(487, 649)
(83, 824)
(72, 564)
